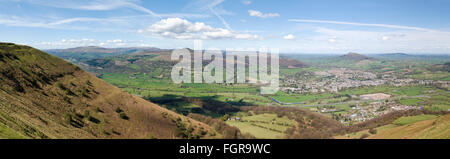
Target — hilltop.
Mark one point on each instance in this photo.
(354, 57)
(42, 96)
(292, 63)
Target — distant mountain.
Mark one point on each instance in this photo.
(396, 54)
(42, 96)
(77, 54)
(355, 57)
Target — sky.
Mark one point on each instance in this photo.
(293, 26)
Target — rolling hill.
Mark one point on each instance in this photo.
(354, 57)
(292, 63)
(42, 96)
(96, 49)
(90, 52)
(410, 127)
(435, 128)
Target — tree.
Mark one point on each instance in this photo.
(363, 136)
(373, 131)
(225, 117)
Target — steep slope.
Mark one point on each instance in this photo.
(438, 128)
(42, 96)
(411, 124)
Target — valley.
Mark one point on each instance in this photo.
(349, 89)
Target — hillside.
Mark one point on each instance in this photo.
(92, 52)
(412, 127)
(291, 63)
(96, 49)
(410, 124)
(42, 96)
(436, 128)
(354, 57)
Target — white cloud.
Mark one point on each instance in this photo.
(115, 41)
(247, 2)
(213, 10)
(255, 13)
(213, 6)
(178, 28)
(289, 37)
(385, 38)
(361, 24)
(108, 24)
(332, 40)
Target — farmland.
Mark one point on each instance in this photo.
(266, 126)
(331, 86)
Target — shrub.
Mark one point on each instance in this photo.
(150, 136)
(61, 86)
(363, 136)
(373, 131)
(68, 118)
(123, 116)
(106, 132)
(118, 110)
(98, 110)
(87, 114)
(225, 117)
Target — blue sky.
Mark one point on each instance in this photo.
(293, 26)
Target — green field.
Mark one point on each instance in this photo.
(412, 101)
(412, 119)
(264, 126)
(296, 98)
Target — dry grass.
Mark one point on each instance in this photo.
(42, 96)
(437, 128)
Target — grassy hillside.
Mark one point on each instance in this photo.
(409, 127)
(436, 128)
(42, 96)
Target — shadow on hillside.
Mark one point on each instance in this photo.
(206, 105)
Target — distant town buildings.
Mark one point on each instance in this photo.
(337, 79)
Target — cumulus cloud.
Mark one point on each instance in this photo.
(289, 37)
(255, 13)
(178, 28)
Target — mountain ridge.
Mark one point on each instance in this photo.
(43, 96)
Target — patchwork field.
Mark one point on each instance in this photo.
(265, 126)
(413, 127)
